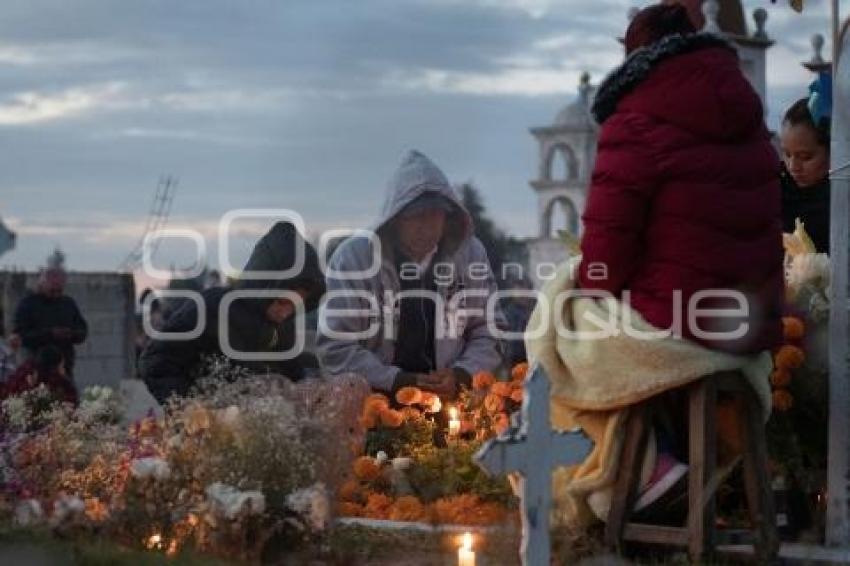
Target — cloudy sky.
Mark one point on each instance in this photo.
(301, 104)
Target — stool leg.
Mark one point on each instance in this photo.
(625, 489)
(701, 466)
(757, 483)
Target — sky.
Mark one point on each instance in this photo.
(299, 104)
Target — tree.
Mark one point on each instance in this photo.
(501, 248)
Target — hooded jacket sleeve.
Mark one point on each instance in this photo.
(350, 309)
(481, 350)
(623, 182)
(33, 335)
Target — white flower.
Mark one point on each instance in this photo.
(381, 458)
(809, 269)
(28, 513)
(156, 468)
(229, 417)
(230, 502)
(312, 505)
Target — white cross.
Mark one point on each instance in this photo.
(533, 449)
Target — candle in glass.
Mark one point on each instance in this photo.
(465, 554)
(454, 422)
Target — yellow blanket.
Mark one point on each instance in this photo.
(594, 381)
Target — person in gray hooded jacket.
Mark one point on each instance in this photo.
(408, 306)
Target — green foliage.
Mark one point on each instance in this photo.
(401, 441)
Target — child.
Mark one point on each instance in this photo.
(48, 368)
(805, 141)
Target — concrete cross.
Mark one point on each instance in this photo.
(533, 450)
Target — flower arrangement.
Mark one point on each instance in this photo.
(410, 471)
(236, 465)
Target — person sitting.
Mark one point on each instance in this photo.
(46, 368)
(805, 169)
(434, 275)
(265, 326)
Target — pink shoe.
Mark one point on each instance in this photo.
(667, 473)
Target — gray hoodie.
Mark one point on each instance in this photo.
(468, 344)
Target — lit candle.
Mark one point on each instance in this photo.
(454, 422)
(465, 554)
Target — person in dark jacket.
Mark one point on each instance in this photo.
(684, 200)
(805, 173)
(46, 367)
(49, 317)
(685, 194)
(262, 326)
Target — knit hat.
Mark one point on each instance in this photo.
(653, 23)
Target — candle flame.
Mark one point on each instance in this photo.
(155, 541)
(467, 541)
(453, 413)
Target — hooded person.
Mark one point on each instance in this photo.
(255, 324)
(408, 306)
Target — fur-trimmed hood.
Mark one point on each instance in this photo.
(692, 81)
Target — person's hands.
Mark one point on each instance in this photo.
(441, 382)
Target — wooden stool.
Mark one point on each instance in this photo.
(699, 534)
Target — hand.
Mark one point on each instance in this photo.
(442, 382)
(60, 333)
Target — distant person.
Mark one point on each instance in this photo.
(427, 248)
(255, 325)
(49, 317)
(805, 138)
(46, 368)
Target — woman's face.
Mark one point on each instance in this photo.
(806, 160)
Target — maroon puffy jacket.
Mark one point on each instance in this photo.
(685, 194)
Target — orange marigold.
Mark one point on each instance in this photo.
(409, 395)
(494, 403)
(780, 378)
(347, 509)
(482, 380)
(501, 423)
(519, 371)
(782, 400)
(793, 328)
(391, 418)
(366, 469)
(351, 492)
(789, 357)
(377, 506)
(502, 389)
(408, 508)
(369, 420)
(467, 509)
(375, 403)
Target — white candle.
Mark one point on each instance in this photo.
(454, 422)
(465, 554)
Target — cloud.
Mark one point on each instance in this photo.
(35, 107)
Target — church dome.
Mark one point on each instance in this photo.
(576, 115)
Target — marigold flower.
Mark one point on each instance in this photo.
(789, 357)
(494, 403)
(369, 420)
(407, 508)
(377, 506)
(501, 423)
(519, 371)
(409, 395)
(351, 492)
(793, 328)
(482, 380)
(502, 389)
(782, 400)
(348, 509)
(366, 469)
(375, 403)
(197, 420)
(391, 418)
(780, 378)
(96, 510)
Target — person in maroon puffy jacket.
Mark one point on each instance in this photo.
(685, 199)
(48, 368)
(684, 210)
